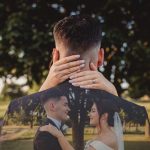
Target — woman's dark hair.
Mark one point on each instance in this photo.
(105, 103)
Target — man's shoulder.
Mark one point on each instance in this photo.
(44, 135)
(44, 141)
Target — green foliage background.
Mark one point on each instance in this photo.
(26, 39)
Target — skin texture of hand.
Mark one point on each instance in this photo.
(69, 67)
(52, 130)
(65, 145)
(92, 79)
(61, 70)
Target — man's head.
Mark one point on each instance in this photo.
(79, 35)
(56, 104)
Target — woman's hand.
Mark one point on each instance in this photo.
(52, 130)
(65, 145)
(61, 70)
(92, 79)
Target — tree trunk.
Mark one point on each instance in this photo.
(78, 135)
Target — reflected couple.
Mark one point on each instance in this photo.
(74, 36)
(103, 115)
(76, 58)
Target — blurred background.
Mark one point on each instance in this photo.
(26, 43)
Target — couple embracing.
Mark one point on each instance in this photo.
(76, 58)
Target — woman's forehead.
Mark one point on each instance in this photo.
(94, 105)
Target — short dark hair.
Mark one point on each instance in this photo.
(53, 93)
(78, 32)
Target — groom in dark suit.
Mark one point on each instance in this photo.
(56, 107)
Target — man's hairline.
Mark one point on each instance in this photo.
(93, 47)
(54, 99)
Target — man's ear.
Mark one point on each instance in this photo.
(100, 57)
(55, 55)
(51, 106)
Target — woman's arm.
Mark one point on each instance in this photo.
(65, 145)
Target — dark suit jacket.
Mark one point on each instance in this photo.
(45, 141)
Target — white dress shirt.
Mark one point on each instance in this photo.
(57, 122)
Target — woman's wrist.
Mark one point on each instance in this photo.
(109, 87)
(60, 135)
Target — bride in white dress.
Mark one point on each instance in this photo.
(104, 117)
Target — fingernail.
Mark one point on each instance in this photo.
(71, 77)
(70, 81)
(82, 65)
(74, 84)
(81, 86)
(77, 56)
(82, 61)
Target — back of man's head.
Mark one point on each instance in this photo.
(78, 33)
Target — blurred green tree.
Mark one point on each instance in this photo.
(26, 39)
(12, 91)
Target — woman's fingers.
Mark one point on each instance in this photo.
(54, 131)
(49, 128)
(70, 65)
(63, 69)
(83, 78)
(80, 74)
(90, 86)
(68, 71)
(86, 79)
(81, 83)
(65, 77)
(44, 128)
(67, 59)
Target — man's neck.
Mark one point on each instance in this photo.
(55, 120)
(53, 117)
(87, 64)
(88, 57)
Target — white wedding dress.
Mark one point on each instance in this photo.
(97, 145)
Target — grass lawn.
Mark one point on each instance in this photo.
(22, 138)
(17, 145)
(137, 145)
(27, 145)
